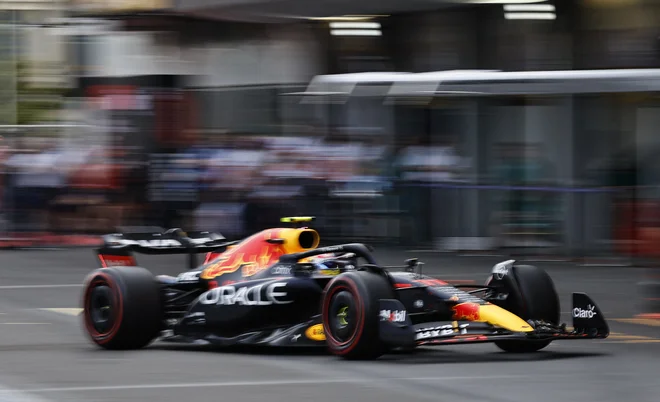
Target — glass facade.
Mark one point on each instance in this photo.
(8, 68)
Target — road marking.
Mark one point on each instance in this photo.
(636, 341)
(24, 323)
(323, 380)
(67, 311)
(11, 395)
(617, 337)
(639, 321)
(625, 336)
(40, 286)
(652, 316)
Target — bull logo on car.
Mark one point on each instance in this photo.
(466, 311)
(315, 333)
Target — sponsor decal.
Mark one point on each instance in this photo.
(454, 294)
(419, 303)
(393, 316)
(200, 240)
(330, 272)
(116, 261)
(281, 270)
(252, 256)
(588, 313)
(315, 333)
(443, 330)
(154, 243)
(321, 257)
(431, 282)
(188, 277)
(466, 311)
(253, 269)
(250, 269)
(246, 296)
(333, 248)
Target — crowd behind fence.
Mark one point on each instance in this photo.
(358, 192)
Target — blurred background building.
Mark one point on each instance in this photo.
(197, 113)
(34, 62)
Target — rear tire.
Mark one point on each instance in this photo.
(532, 296)
(350, 310)
(122, 307)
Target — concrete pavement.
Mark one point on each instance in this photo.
(45, 354)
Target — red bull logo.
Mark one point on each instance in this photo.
(315, 332)
(466, 311)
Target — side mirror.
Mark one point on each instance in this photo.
(411, 262)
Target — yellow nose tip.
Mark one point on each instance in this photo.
(502, 318)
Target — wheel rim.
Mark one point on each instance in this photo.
(343, 316)
(101, 308)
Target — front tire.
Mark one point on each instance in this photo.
(122, 307)
(532, 296)
(350, 310)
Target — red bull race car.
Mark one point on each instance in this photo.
(279, 288)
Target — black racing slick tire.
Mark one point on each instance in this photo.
(122, 307)
(350, 311)
(532, 296)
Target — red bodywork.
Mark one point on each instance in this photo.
(259, 251)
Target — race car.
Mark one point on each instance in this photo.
(279, 288)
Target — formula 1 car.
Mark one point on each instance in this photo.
(279, 288)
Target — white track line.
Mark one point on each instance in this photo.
(67, 311)
(40, 286)
(10, 395)
(292, 382)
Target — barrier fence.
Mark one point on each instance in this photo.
(451, 217)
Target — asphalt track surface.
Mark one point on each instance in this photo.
(44, 355)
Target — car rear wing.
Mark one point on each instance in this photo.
(118, 248)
